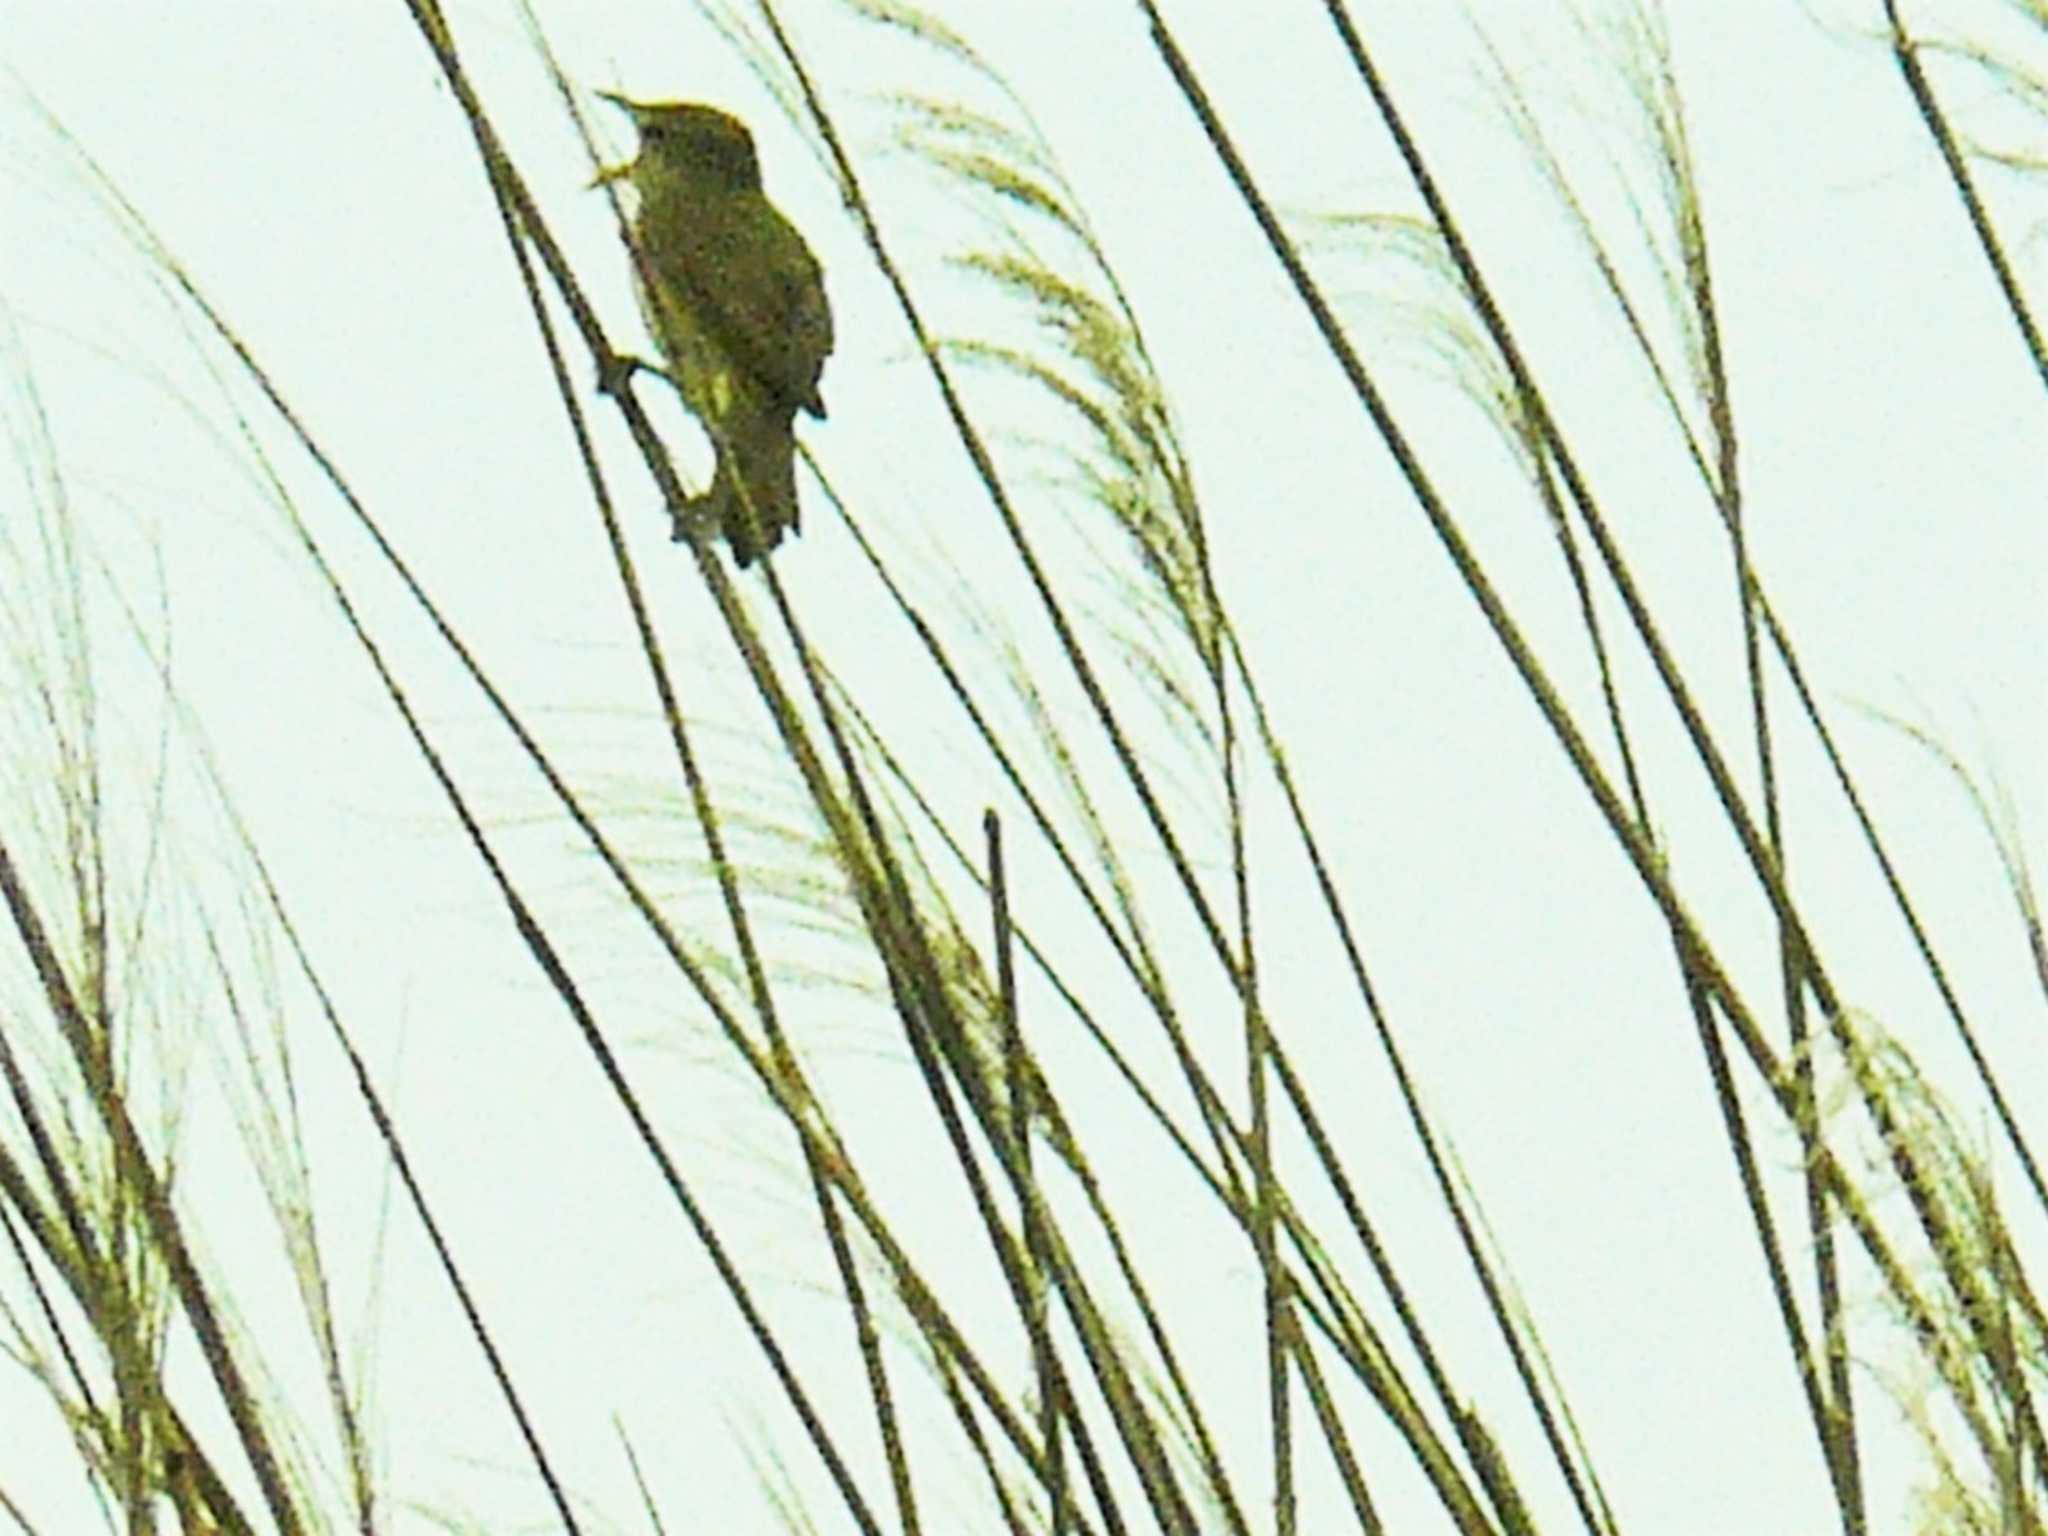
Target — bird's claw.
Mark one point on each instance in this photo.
(615, 371)
(691, 522)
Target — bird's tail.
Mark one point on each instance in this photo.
(756, 474)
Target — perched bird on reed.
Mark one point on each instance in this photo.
(737, 303)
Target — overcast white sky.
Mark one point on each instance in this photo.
(307, 166)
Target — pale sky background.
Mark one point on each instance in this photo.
(310, 170)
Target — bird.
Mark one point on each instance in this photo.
(736, 302)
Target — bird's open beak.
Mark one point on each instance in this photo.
(610, 173)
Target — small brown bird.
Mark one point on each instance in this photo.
(738, 307)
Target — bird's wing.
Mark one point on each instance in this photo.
(756, 289)
(810, 315)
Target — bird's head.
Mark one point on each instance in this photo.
(687, 143)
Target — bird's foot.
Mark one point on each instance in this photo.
(692, 522)
(616, 371)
